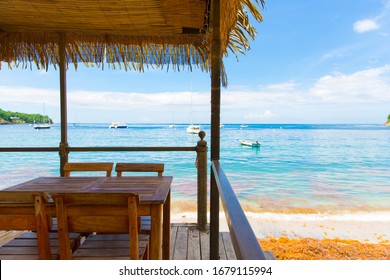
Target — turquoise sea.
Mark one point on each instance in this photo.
(298, 168)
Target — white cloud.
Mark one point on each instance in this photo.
(365, 25)
(282, 87)
(366, 86)
(269, 103)
(259, 117)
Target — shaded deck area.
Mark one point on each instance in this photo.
(187, 242)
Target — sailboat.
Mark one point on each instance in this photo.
(42, 126)
(193, 129)
(45, 125)
(172, 125)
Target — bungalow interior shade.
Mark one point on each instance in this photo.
(130, 34)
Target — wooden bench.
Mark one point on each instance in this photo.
(112, 213)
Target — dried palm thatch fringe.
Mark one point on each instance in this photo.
(26, 48)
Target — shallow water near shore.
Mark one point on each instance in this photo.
(301, 178)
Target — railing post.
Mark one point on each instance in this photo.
(63, 153)
(216, 65)
(214, 217)
(201, 164)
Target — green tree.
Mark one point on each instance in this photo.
(17, 117)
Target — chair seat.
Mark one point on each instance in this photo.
(25, 246)
(109, 247)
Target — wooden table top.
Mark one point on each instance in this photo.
(151, 189)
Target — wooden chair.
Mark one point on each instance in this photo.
(139, 167)
(145, 223)
(26, 211)
(88, 166)
(114, 216)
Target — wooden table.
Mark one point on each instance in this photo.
(153, 191)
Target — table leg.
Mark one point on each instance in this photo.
(155, 244)
(167, 227)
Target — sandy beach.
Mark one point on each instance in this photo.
(362, 231)
(363, 226)
(345, 235)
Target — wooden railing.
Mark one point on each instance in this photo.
(245, 243)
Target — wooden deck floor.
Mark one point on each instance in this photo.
(187, 243)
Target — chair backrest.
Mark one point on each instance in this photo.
(139, 167)
(88, 166)
(96, 212)
(26, 211)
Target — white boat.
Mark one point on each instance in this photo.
(250, 143)
(42, 126)
(194, 129)
(172, 125)
(118, 125)
(243, 126)
(45, 125)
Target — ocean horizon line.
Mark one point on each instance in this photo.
(244, 125)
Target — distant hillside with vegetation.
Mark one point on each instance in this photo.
(388, 121)
(8, 117)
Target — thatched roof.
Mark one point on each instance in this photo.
(121, 33)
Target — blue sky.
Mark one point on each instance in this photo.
(319, 61)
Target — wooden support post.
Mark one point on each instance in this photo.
(216, 62)
(63, 100)
(201, 164)
(214, 218)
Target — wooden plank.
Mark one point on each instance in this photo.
(139, 167)
(227, 243)
(107, 246)
(193, 244)
(205, 244)
(25, 242)
(88, 166)
(7, 235)
(180, 250)
(30, 234)
(186, 243)
(110, 237)
(24, 257)
(173, 240)
(222, 253)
